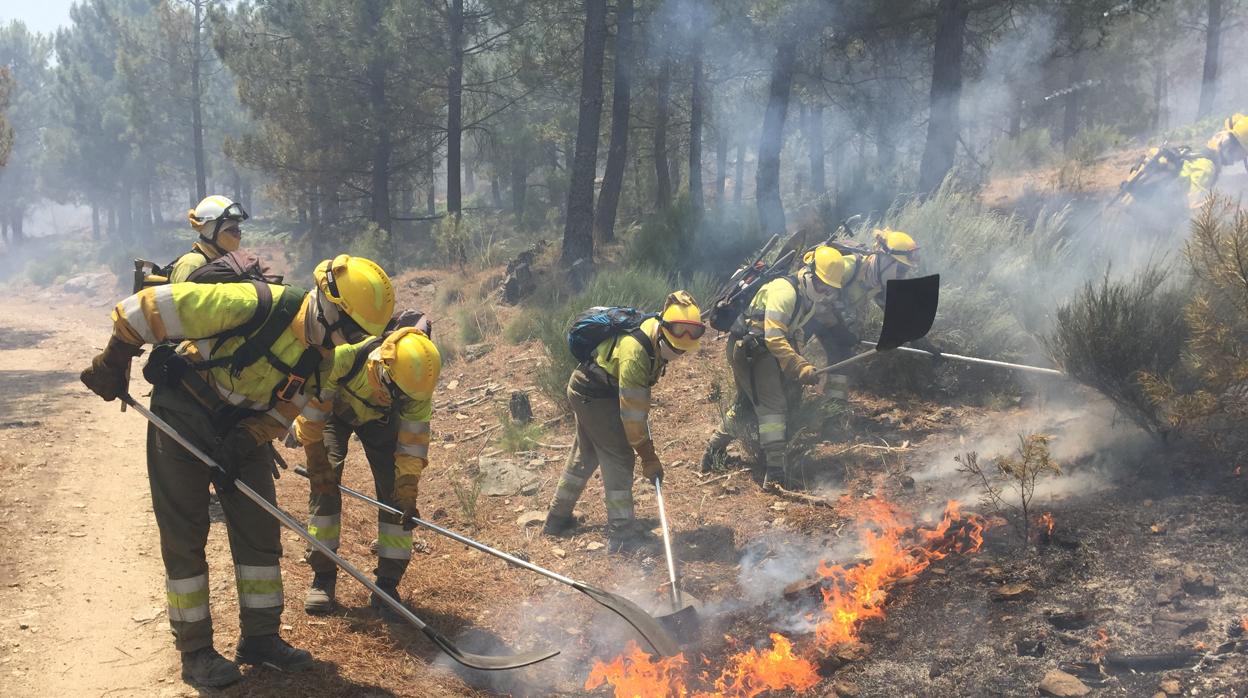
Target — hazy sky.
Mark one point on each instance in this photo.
(39, 15)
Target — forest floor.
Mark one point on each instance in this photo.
(1143, 562)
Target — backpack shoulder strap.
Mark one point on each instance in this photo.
(361, 357)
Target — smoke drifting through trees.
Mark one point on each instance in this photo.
(331, 116)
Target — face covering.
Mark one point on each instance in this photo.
(666, 351)
(229, 240)
(316, 322)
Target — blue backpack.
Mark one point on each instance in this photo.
(600, 323)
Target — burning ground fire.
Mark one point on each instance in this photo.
(894, 548)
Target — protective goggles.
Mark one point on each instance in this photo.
(234, 212)
(396, 393)
(685, 329)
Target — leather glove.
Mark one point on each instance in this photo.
(237, 446)
(652, 469)
(321, 475)
(806, 375)
(406, 488)
(107, 375)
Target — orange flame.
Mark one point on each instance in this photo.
(1101, 645)
(635, 674)
(1243, 623)
(1046, 520)
(851, 595)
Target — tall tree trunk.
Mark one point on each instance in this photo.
(113, 233)
(1072, 102)
(377, 97)
(125, 217)
(519, 186)
(17, 234)
(1209, 78)
(578, 231)
(197, 111)
(95, 220)
(621, 103)
(695, 130)
(455, 107)
(767, 178)
(496, 189)
(1016, 117)
(662, 171)
(721, 167)
(1160, 120)
(739, 181)
(815, 147)
(470, 178)
(943, 123)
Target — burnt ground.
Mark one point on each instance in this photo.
(1126, 532)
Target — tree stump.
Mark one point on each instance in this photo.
(521, 409)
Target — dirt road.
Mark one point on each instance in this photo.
(81, 580)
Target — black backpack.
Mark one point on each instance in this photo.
(232, 267)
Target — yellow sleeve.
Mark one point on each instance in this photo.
(779, 300)
(184, 311)
(634, 380)
(1200, 175)
(411, 453)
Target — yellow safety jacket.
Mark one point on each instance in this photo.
(200, 312)
(201, 253)
(1200, 174)
(631, 367)
(780, 312)
(361, 398)
(858, 285)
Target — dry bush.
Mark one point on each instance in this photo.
(1209, 399)
(1009, 484)
(1116, 334)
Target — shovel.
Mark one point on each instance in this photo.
(468, 659)
(909, 311)
(642, 622)
(682, 620)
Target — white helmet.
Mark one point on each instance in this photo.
(215, 210)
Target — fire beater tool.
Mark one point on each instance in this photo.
(909, 311)
(473, 661)
(642, 622)
(683, 618)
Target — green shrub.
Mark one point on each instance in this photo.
(665, 240)
(450, 291)
(477, 322)
(450, 236)
(1114, 333)
(523, 326)
(516, 437)
(1033, 147)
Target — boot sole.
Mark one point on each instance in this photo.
(211, 684)
(319, 609)
(290, 669)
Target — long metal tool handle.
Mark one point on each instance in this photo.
(642, 622)
(465, 658)
(851, 360)
(667, 545)
(986, 362)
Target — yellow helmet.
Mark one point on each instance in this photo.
(827, 263)
(360, 288)
(412, 362)
(1237, 124)
(898, 245)
(681, 321)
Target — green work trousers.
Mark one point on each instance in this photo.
(764, 400)
(600, 441)
(179, 483)
(394, 545)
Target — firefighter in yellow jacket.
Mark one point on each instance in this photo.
(1164, 174)
(382, 391)
(252, 354)
(610, 399)
(766, 366)
(218, 221)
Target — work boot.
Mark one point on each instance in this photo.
(391, 587)
(629, 539)
(320, 598)
(272, 651)
(712, 459)
(558, 526)
(207, 668)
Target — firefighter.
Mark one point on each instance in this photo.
(766, 366)
(1165, 174)
(610, 400)
(218, 221)
(231, 387)
(381, 390)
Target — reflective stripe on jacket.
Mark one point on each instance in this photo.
(363, 399)
(779, 312)
(626, 361)
(199, 312)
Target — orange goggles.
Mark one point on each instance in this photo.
(685, 329)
